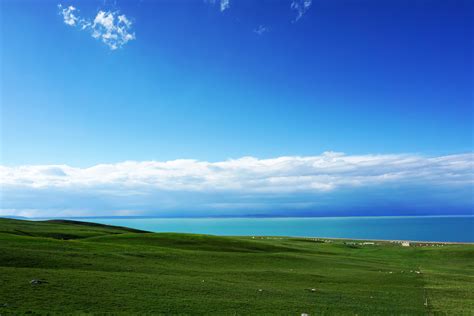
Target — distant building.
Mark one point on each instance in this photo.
(405, 244)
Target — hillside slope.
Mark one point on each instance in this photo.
(96, 268)
(60, 229)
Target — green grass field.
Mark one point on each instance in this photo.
(89, 268)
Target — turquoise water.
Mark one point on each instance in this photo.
(436, 228)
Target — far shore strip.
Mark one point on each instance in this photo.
(375, 240)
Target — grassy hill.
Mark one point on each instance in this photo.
(93, 268)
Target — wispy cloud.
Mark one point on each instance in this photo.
(259, 30)
(111, 27)
(223, 4)
(301, 7)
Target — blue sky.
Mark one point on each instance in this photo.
(210, 81)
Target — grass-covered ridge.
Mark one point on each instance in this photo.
(60, 229)
(89, 268)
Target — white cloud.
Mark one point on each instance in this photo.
(261, 29)
(331, 183)
(301, 7)
(327, 172)
(68, 15)
(223, 4)
(110, 27)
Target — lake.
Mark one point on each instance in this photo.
(422, 228)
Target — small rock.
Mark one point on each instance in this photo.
(36, 282)
(304, 314)
(260, 290)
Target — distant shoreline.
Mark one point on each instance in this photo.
(387, 240)
(231, 217)
(256, 236)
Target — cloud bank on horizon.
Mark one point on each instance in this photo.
(330, 181)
